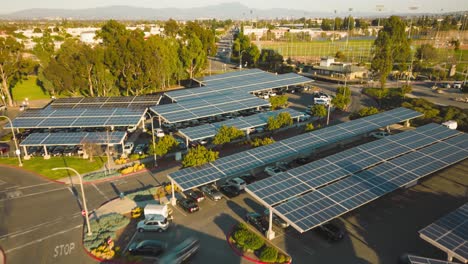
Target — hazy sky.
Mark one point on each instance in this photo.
(307, 5)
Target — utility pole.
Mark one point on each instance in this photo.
(349, 22)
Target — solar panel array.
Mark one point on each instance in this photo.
(242, 123)
(231, 75)
(79, 117)
(313, 175)
(450, 233)
(420, 260)
(244, 161)
(73, 138)
(107, 102)
(317, 207)
(208, 106)
(259, 81)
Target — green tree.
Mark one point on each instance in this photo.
(192, 55)
(309, 127)
(367, 111)
(342, 98)
(268, 254)
(12, 66)
(257, 142)
(279, 121)
(340, 55)
(37, 30)
(163, 146)
(391, 47)
(171, 28)
(278, 101)
(199, 156)
(427, 53)
(270, 60)
(319, 111)
(227, 134)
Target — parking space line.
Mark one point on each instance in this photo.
(180, 211)
(129, 242)
(41, 239)
(99, 191)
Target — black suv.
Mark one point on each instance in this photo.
(188, 205)
(229, 190)
(330, 231)
(258, 221)
(195, 195)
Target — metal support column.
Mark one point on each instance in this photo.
(46, 154)
(270, 233)
(26, 155)
(173, 199)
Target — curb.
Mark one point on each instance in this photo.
(114, 177)
(32, 172)
(240, 254)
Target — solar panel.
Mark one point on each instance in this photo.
(345, 163)
(210, 130)
(420, 260)
(277, 151)
(450, 233)
(363, 187)
(106, 102)
(73, 138)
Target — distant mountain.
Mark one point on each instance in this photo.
(221, 11)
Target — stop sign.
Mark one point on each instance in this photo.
(83, 212)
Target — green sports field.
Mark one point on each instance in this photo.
(355, 49)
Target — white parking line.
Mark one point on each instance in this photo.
(180, 211)
(41, 239)
(99, 191)
(129, 242)
(32, 194)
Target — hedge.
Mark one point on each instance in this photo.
(269, 254)
(103, 228)
(247, 240)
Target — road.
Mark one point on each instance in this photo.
(41, 220)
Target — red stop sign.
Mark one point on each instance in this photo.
(83, 212)
(109, 240)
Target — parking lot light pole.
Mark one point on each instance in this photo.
(270, 233)
(82, 194)
(17, 150)
(240, 59)
(152, 136)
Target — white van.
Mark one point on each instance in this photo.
(451, 124)
(151, 210)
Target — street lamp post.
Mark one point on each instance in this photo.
(349, 22)
(17, 150)
(152, 136)
(82, 194)
(410, 70)
(240, 59)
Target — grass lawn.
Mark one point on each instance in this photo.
(44, 167)
(28, 89)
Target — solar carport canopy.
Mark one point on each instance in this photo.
(421, 260)
(450, 233)
(208, 106)
(78, 117)
(313, 175)
(74, 138)
(244, 161)
(324, 204)
(250, 81)
(107, 102)
(242, 123)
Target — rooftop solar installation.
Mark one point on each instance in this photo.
(242, 123)
(107, 102)
(230, 75)
(255, 83)
(253, 158)
(74, 138)
(322, 205)
(211, 106)
(450, 233)
(420, 260)
(316, 174)
(79, 117)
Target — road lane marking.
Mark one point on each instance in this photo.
(26, 230)
(25, 187)
(32, 194)
(41, 239)
(99, 191)
(133, 237)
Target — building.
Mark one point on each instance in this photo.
(337, 70)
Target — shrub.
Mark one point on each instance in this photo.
(257, 142)
(282, 258)
(246, 239)
(104, 228)
(309, 127)
(269, 254)
(134, 156)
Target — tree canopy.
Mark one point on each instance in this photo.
(163, 145)
(342, 98)
(198, 156)
(226, 134)
(278, 101)
(279, 121)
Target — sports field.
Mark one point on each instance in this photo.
(357, 50)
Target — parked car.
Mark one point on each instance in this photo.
(182, 252)
(211, 192)
(33, 151)
(457, 85)
(257, 220)
(229, 191)
(304, 117)
(248, 178)
(153, 224)
(283, 166)
(70, 150)
(128, 147)
(188, 205)
(330, 231)
(379, 134)
(195, 195)
(147, 247)
(272, 170)
(58, 151)
(181, 142)
(302, 160)
(140, 149)
(4, 148)
(159, 132)
(237, 182)
(275, 219)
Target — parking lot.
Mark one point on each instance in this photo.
(376, 233)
